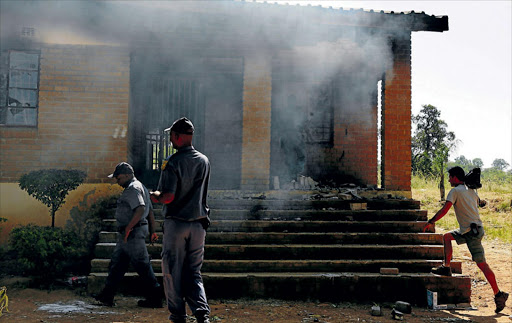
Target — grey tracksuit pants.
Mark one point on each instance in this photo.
(135, 252)
(182, 258)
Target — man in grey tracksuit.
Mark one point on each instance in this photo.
(183, 190)
(135, 219)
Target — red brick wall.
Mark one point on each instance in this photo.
(256, 124)
(355, 141)
(83, 115)
(353, 157)
(396, 120)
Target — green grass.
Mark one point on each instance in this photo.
(496, 216)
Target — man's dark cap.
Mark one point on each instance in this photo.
(122, 168)
(183, 126)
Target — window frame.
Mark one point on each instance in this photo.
(4, 106)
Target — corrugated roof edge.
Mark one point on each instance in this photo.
(341, 8)
(437, 23)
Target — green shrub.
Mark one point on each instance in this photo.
(497, 181)
(42, 252)
(51, 186)
(85, 224)
(47, 253)
(503, 206)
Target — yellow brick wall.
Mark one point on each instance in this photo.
(82, 117)
(256, 123)
(19, 208)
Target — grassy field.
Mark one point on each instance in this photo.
(496, 216)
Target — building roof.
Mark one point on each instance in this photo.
(415, 21)
(277, 24)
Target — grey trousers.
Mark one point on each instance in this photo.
(134, 251)
(182, 258)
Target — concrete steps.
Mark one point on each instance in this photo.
(390, 238)
(323, 286)
(373, 204)
(311, 249)
(317, 226)
(308, 265)
(298, 251)
(299, 226)
(316, 215)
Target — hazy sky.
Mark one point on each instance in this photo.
(465, 72)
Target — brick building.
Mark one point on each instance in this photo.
(274, 91)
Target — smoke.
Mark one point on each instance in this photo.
(321, 50)
(197, 37)
(347, 64)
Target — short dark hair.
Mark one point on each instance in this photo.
(457, 172)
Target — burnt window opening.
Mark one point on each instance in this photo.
(19, 88)
(28, 32)
(320, 117)
(307, 111)
(302, 127)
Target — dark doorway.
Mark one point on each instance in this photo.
(206, 90)
(302, 127)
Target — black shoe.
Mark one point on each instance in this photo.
(500, 299)
(202, 316)
(104, 300)
(442, 271)
(153, 303)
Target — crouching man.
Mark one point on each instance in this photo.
(135, 219)
(465, 201)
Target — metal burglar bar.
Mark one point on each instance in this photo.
(19, 85)
(320, 116)
(158, 147)
(171, 99)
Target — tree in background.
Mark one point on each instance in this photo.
(463, 162)
(500, 164)
(51, 186)
(431, 145)
(496, 174)
(439, 165)
(466, 164)
(478, 162)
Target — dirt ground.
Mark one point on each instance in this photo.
(68, 305)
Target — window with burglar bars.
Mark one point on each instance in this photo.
(171, 99)
(158, 148)
(320, 115)
(19, 83)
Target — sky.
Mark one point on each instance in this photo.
(465, 72)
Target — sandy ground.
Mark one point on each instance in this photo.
(68, 305)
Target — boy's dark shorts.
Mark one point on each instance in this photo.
(474, 243)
